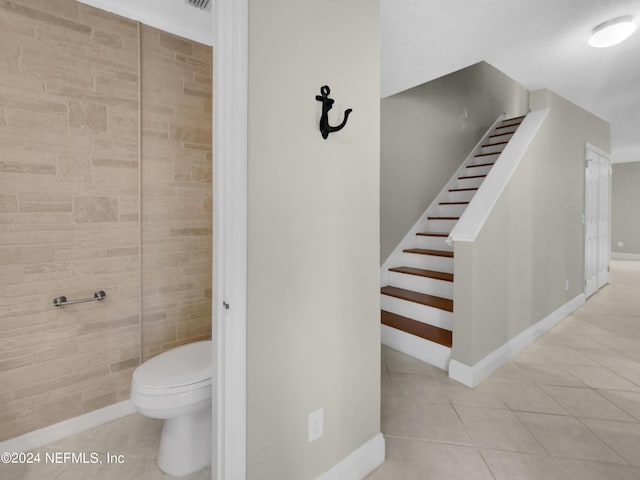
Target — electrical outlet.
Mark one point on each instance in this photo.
(316, 424)
(620, 244)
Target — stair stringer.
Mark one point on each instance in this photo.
(409, 240)
(475, 215)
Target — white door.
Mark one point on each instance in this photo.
(596, 219)
(591, 223)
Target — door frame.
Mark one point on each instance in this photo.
(601, 153)
(229, 288)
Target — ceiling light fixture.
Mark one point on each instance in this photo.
(612, 32)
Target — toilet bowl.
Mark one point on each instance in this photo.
(176, 386)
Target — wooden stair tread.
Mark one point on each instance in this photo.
(462, 189)
(417, 297)
(429, 234)
(494, 144)
(487, 154)
(481, 165)
(419, 329)
(421, 272)
(471, 176)
(514, 118)
(424, 251)
(453, 203)
(508, 126)
(443, 218)
(501, 134)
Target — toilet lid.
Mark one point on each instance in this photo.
(180, 366)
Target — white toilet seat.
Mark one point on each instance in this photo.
(151, 391)
(175, 379)
(181, 366)
(163, 399)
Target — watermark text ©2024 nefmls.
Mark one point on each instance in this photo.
(95, 458)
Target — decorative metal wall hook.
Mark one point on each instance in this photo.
(327, 104)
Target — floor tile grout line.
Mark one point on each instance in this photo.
(598, 391)
(553, 459)
(502, 450)
(486, 463)
(604, 441)
(521, 422)
(561, 457)
(605, 399)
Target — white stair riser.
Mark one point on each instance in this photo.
(470, 182)
(501, 137)
(493, 148)
(417, 311)
(500, 131)
(440, 226)
(451, 210)
(484, 159)
(433, 243)
(477, 170)
(429, 262)
(430, 286)
(429, 352)
(465, 196)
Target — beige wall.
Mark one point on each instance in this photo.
(426, 133)
(625, 200)
(69, 202)
(313, 303)
(514, 274)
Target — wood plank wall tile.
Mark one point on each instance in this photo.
(176, 191)
(69, 202)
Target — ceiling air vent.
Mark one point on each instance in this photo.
(201, 4)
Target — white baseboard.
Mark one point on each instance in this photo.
(625, 256)
(359, 463)
(473, 375)
(58, 431)
(416, 347)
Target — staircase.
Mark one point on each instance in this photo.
(418, 299)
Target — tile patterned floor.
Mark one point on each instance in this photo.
(566, 408)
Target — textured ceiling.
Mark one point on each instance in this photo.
(539, 43)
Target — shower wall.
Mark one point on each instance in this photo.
(176, 191)
(75, 174)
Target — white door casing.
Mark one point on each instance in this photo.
(604, 202)
(229, 293)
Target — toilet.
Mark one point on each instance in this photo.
(176, 386)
